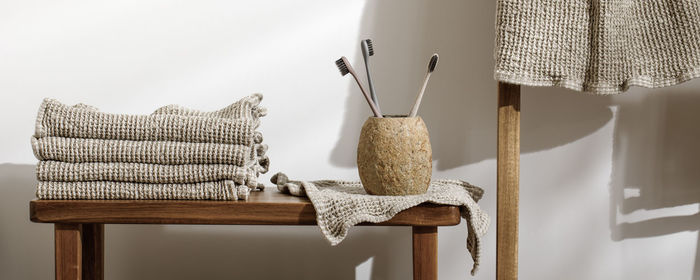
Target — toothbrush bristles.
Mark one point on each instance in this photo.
(370, 47)
(433, 63)
(342, 67)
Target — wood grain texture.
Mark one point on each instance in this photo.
(425, 265)
(508, 181)
(93, 251)
(263, 208)
(67, 238)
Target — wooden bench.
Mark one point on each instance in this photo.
(79, 224)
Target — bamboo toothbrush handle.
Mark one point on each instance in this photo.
(419, 98)
(375, 110)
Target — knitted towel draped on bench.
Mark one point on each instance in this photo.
(597, 46)
(340, 205)
(173, 153)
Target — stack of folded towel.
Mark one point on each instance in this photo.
(173, 153)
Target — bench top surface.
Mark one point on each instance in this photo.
(268, 207)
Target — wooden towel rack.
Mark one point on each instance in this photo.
(508, 162)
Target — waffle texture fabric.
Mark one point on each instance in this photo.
(602, 47)
(57, 119)
(142, 172)
(219, 190)
(172, 153)
(161, 152)
(340, 205)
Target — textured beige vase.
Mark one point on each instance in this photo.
(394, 156)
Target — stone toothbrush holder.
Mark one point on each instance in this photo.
(394, 156)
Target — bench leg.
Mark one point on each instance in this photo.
(93, 251)
(425, 253)
(69, 252)
(79, 251)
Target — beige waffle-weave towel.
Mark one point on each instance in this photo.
(82, 121)
(597, 46)
(161, 152)
(342, 204)
(247, 108)
(57, 171)
(219, 190)
(171, 154)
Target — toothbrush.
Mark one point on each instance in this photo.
(367, 51)
(345, 67)
(431, 67)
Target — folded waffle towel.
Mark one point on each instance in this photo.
(161, 152)
(143, 172)
(173, 153)
(247, 108)
(77, 150)
(220, 190)
(342, 204)
(597, 46)
(56, 119)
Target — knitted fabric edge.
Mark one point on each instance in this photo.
(596, 88)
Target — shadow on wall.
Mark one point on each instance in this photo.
(459, 107)
(655, 165)
(214, 252)
(248, 252)
(26, 249)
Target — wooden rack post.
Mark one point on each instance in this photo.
(508, 180)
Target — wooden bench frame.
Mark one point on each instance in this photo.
(79, 224)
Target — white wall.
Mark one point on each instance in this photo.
(609, 184)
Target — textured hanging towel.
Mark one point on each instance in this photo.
(340, 205)
(597, 46)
